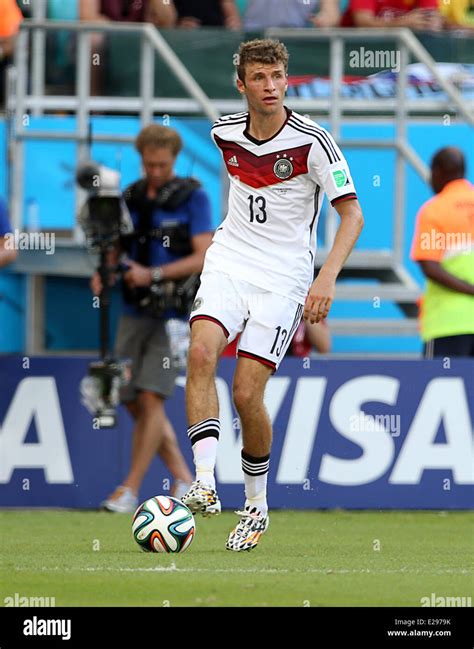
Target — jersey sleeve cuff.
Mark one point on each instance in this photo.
(345, 197)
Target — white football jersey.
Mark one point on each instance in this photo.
(268, 237)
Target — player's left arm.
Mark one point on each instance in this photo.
(322, 291)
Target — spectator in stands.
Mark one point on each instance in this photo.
(154, 11)
(208, 13)
(7, 256)
(10, 20)
(416, 14)
(61, 47)
(443, 245)
(180, 209)
(262, 14)
(457, 14)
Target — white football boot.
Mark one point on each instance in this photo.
(202, 499)
(246, 534)
(122, 501)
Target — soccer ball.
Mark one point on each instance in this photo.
(163, 524)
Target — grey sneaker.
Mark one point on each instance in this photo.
(179, 488)
(202, 499)
(122, 501)
(246, 534)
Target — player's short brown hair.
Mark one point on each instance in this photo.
(263, 50)
(159, 137)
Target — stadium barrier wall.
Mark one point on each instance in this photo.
(356, 435)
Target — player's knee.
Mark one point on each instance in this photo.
(201, 357)
(244, 396)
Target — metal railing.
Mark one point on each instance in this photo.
(18, 104)
(151, 42)
(407, 44)
(28, 95)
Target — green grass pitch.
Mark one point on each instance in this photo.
(336, 558)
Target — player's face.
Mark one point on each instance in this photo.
(158, 164)
(264, 86)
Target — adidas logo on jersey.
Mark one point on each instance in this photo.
(233, 161)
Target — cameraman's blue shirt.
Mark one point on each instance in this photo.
(4, 222)
(194, 212)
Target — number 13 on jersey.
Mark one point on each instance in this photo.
(257, 205)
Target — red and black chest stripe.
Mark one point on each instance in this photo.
(263, 170)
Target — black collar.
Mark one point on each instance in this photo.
(259, 142)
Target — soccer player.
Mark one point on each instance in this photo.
(258, 271)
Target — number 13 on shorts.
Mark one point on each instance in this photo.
(265, 321)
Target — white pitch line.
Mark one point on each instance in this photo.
(321, 571)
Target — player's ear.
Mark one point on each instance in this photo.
(240, 86)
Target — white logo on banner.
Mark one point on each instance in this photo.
(444, 401)
(377, 449)
(37, 398)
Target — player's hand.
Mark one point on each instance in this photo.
(137, 275)
(320, 298)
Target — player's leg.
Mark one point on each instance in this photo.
(216, 318)
(208, 341)
(250, 379)
(262, 346)
(248, 391)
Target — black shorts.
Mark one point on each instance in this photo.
(462, 345)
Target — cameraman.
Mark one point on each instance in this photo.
(179, 210)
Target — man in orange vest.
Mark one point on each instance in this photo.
(444, 247)
(10, 20)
